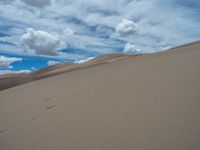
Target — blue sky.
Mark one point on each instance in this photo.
(37, 33)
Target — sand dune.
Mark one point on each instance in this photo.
(148, 102)
(11, 80)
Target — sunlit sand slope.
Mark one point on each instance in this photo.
(149, 102)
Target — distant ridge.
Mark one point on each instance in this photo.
(11, 80)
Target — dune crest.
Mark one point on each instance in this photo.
(12, 80)
(148, 102)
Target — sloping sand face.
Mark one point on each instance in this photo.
(12, 80)
(149, 102)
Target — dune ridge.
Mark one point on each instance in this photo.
(148, 102)
(12, 80)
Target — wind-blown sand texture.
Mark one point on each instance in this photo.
(147, 102)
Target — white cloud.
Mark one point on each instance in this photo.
(37, 3)
(126, 27)
(5, 62)
(41, 42)
(130, 48)
(3, 72)
(33, 68)
(68, 31)
(95, 23)
(53, 62)
(84, 60)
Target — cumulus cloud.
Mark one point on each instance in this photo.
(43, 43)
(37, 3)
(3, 72)
(94, 23)
(5, 62)
(126, 27)
(53, 62)
(130, 48)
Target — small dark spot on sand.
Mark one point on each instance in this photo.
(2, 131)
(50, 107)
(32, 119)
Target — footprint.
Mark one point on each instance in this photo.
(6, 129)
(2, 131)
(50, 107)
(32, 119)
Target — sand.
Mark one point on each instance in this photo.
(11, 80)
(147, 102)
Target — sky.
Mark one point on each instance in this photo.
(39, 33)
